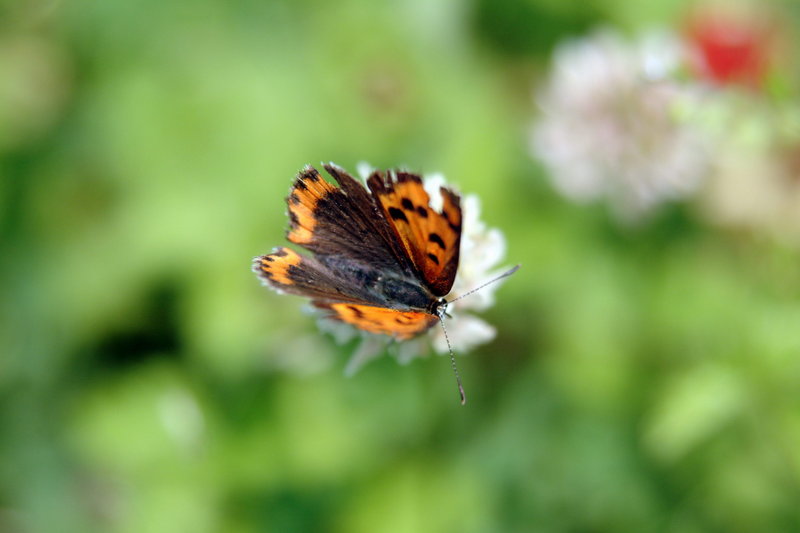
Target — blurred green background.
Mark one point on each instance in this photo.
(643, 378)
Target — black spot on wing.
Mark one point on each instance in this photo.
(435, 238)
(407, 205)
(309, 174)
(433, 258)
(295, 274)
(323, 204)
(421, 211)
(397, 214)
(404, 177)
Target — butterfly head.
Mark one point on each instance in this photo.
(439, 307)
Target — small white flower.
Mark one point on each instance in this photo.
(482, 249)
(611, 128)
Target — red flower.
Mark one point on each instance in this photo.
(731, 47)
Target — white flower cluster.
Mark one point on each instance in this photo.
(626, 122)
(611, 124)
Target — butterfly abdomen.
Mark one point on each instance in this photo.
(389, 289)
(401, 293)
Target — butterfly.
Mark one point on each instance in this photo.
(382, 258)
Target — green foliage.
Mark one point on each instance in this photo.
(642, 379)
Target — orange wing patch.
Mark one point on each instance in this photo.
(275, 266)
(399, 324)
(306, 192)
(431, 239)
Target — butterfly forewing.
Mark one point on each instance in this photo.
(431, 239)
(329, 221)
(381, 234)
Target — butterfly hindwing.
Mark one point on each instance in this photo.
(287, 271)
(399, 324)
(431, 239)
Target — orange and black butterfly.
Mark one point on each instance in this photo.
(382, 258)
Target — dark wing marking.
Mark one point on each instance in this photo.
(431, 239)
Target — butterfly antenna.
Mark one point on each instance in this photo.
(453, 361)
(498, 278)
